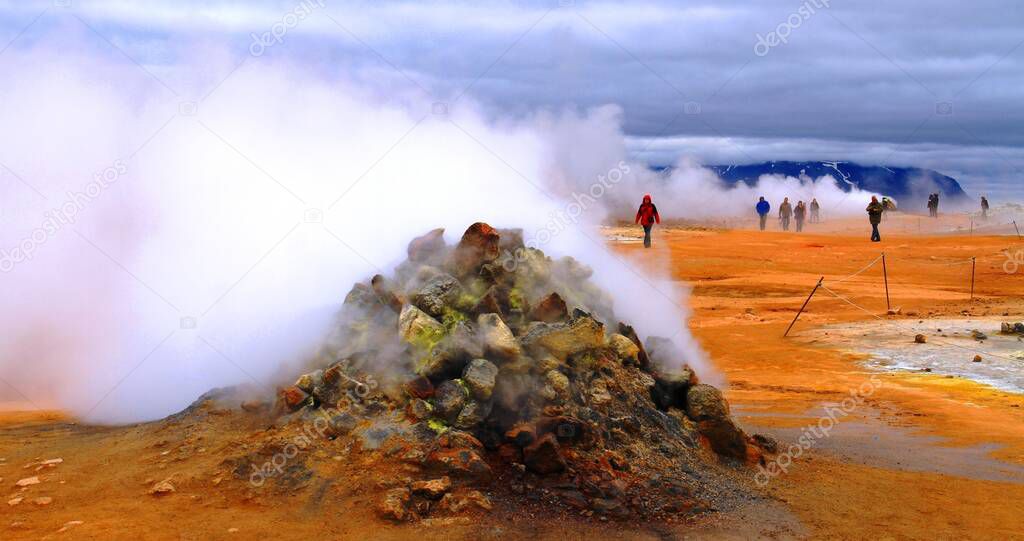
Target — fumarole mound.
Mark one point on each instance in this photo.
(489, 377)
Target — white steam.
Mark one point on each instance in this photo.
(167, 253)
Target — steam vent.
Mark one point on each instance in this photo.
(487, 376)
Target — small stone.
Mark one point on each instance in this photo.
(28, 481)
(70, 524)
(15, 501)
(550, 309)
(394, 506)
(52, 462)
(162, 488)
(232, 530)
(433, 489)
(920, 339)
(449, 399)
(254, 406)
(420, 387)
(292, 397)
(43, 501)
(977, 358)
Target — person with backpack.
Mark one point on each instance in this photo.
(875, 210)
(647, 216)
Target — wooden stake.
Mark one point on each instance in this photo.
(974, 268)
(1017, 228)
(813, 291)
(885, 273)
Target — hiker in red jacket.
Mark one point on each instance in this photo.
(647, 216)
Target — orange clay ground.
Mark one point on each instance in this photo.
(923, 457)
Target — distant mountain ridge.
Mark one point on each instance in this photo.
(897, 182)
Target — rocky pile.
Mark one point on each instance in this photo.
(1012, 328)
(490, 367)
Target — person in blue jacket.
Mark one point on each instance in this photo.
(763, 208)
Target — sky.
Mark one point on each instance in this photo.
(913, 83)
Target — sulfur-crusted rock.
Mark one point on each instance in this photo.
(497, 337)
(561, 340)
(438, 296)
(625, 349)
(416, 327)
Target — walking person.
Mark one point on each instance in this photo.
(785, 213)
(815, 211)
(875, 210)
(647, 216)
(984, 207)
(800, 213)
(763, 208)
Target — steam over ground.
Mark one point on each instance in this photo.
(156, 243)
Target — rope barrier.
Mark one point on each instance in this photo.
(872, 264)
(907, 330)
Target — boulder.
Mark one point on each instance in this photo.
(629, 332)
(479, 377)
(704, 402)
(561, 340)
(556, 385)
(522, 434)
(706, 405)
(497, 337)
(543, 456)
(416, 327)
(464, 463)
(438, 295)
(625, 349)
(449, 357)
(362, 298)
(292, 398)
(920, 339)
(473, 413)
(449, 399)
(420, 387)
(550, 309)
(423, 247)
(479, 245)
